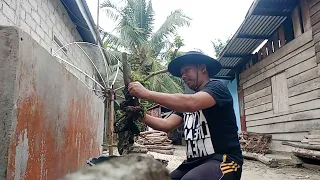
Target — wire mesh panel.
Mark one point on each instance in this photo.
(96, 67)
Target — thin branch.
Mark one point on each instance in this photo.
(155, 73)
(164, 70)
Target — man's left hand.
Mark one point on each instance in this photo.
(136, 89)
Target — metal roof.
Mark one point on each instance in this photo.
(263, 18)
(78, 17)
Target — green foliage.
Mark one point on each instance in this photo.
(135, 34)
(178, 42)
(218, 46)
(171, 54)
(118, 114)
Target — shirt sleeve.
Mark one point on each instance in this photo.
(219, 92)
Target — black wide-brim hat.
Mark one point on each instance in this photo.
(194, 58)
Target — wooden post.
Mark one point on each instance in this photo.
(269, 46)
(264, 51)
(111, 120)
(241, 108)
(282, 36)
(296, 21)
(105, 138)
(260, 55)
(276, 41)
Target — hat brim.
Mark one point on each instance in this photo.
(213, 66)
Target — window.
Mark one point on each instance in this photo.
(59, 43)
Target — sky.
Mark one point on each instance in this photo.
(211, 19)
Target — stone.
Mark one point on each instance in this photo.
(129, 167)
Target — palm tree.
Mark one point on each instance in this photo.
(135, 34)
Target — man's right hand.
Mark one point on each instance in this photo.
(138, 90)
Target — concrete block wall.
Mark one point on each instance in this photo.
(51, 123)
(42, 20)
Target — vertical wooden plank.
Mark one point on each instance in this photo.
(269, 46)
(260, 55)
(280, 96)
(305, 15)
(282, 36)
(276, 41)
(241, 109)
(297, 28)
(250, 63)
(254, 58)
(264, 51)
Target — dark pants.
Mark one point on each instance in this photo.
(209, 169)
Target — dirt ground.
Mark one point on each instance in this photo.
(252, 170)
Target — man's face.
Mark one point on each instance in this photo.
(189, 75)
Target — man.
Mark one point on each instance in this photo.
(210, 128)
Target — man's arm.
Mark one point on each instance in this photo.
(166, 125)
(183, 102)
(179, 102)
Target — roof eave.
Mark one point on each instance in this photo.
(80, 15)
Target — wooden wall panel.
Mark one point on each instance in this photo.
(304, 115)
(304, 55)
(263, 100)
(304, 87)
(293, 137)
(276, 146)
(278, 61)
(301, 67)
(261, 85)
(312, 3)
(303, 77)
(279, 93)
(261, 93)
(287, 49)
(282, 92)
(259, 116)
(309, 96)
(259, 109)
(241, 109)
(315, 18)
(315, 104)
(288, 127)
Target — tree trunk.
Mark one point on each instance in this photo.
(168, 152)
(310, 154)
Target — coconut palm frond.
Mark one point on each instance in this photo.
(169, 27)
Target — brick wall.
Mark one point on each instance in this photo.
(42, 20)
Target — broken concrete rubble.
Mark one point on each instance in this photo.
(133, 167)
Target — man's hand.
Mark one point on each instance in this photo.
(136, 89)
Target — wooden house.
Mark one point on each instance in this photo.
(274, 57)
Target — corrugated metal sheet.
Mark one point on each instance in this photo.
(263, 18)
